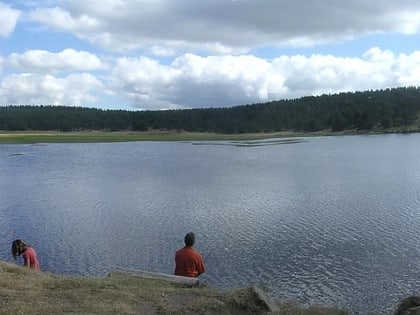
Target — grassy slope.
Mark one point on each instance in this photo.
(23, 291)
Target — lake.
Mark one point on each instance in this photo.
(331, 220)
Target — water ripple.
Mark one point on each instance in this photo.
(330, 220)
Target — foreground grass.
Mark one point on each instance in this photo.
(23, 291)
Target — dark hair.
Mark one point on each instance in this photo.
(18, 247)
(189, 239)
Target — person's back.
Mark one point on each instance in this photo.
(188, 261)
(30, 259)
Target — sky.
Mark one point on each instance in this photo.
(176, 54)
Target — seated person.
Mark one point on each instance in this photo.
(188, 261)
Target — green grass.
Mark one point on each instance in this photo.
(23, 291)
(7, 137)
(103, 136)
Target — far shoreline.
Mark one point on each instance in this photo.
(88, 136)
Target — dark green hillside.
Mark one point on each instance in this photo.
(370, 110)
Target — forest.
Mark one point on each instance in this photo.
(367, 110)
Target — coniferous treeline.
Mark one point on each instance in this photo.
(388, 108)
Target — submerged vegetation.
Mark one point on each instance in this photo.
(388, 110)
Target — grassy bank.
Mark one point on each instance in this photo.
(17, 137)
(122, 136)
(23, 291)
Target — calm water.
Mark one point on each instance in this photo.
(333, 220)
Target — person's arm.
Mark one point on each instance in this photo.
(200, 266)
(26, 262)
(176, 271)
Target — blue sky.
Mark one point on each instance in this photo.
(168, 54)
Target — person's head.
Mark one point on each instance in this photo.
(18, 247)
(189, 239)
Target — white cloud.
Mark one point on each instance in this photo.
(43, 61)
(61, 19)
(139, 79)
(214, 81)
(75, 89)
(8, 19)
(220, 26)
(203, 53)
(194, 81)
(407, 69)
(409, 22)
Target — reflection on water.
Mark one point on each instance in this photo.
(331, 220)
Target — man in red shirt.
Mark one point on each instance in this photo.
(188, 261)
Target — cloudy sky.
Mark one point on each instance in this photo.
(166, 54)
